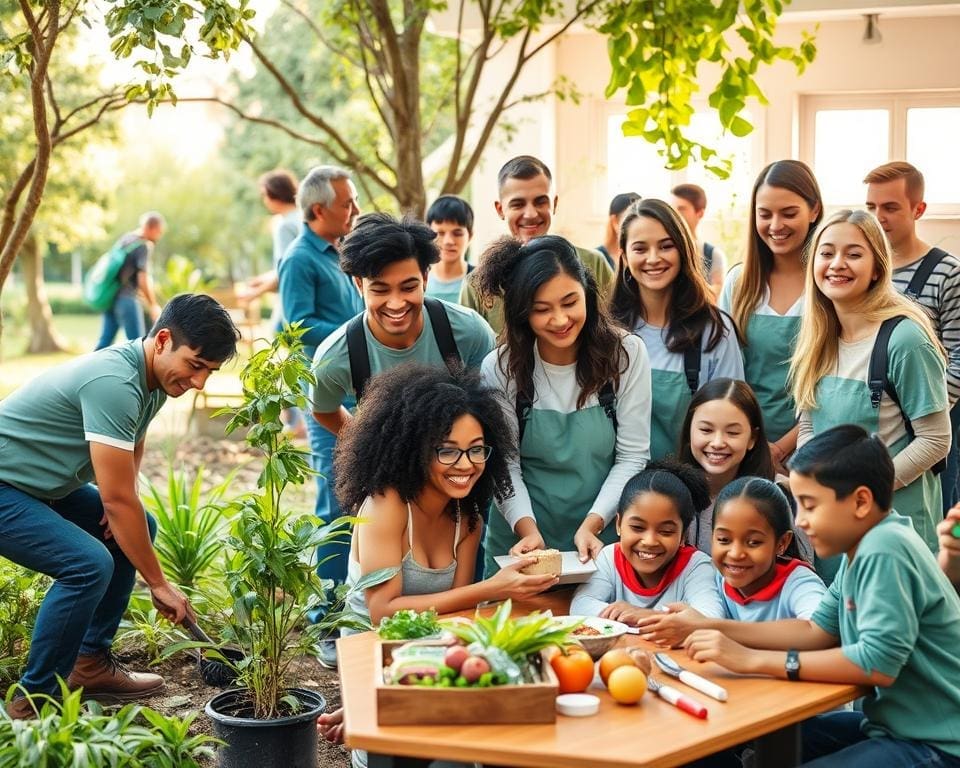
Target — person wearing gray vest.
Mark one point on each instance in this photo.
(84, 422)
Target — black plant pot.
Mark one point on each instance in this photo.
(286, 742)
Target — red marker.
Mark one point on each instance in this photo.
(689, 705)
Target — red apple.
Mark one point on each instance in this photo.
(473, 667)
(455, 656)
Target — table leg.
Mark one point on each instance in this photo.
(779, 749)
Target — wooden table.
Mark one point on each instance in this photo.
(653, 733)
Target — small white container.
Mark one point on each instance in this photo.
(578, 704)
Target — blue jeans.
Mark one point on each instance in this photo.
(92, 578)
(950, 477)
(331, 558)
(127, 313)
(834, 740)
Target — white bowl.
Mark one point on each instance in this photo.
(597, 645)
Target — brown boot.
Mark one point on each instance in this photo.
(104, 678)
(20, 708)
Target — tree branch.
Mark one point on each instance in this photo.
(314, 27)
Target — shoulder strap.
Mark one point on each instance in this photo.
(359, 355)
(879, 382)
(924, 270)
(691, 364)
(522, 408)
(708, 257)
(442, 331)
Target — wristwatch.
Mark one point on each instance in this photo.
(792, 664)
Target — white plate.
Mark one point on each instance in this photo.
(572, 571)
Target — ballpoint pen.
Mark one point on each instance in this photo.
(679, 700)
(696, 682)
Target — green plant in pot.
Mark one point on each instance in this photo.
(272, 579)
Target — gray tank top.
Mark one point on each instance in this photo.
(417, 579)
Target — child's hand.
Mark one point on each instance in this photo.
(624, 612)
(330, 726)
(672, 628)
(713, 645)
(949, 557)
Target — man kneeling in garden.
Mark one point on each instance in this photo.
(82, 421)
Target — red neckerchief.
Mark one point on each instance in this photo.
(781, 571)
(632, 581)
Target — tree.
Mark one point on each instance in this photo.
(378, 57)
(31, 34)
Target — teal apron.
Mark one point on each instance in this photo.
(848, 402)
(670, 399)
(565, 458)
(766, 362)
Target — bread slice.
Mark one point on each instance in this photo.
(548, 561)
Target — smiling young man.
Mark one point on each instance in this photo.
(929, 275)
(890, 620)
(526, 202)
(86, 421)
(388, 261)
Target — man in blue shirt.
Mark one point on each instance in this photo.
(315, 292)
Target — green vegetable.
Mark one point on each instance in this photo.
(409, 625)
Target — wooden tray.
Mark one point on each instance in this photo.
(420, 705)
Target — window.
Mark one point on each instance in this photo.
(843, 136)
(634, 165)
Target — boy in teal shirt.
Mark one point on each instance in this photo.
(890, 620)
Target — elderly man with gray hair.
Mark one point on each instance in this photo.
(316, 293)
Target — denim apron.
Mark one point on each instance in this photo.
(565, 459)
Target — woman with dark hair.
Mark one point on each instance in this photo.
(425, 454)
(577, 392)
(764, 294)
(661, 295)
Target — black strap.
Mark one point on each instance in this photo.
(442, 331)
(691, 364)
(606, 396)
(879, 382)
(359, 353)
(708, 258)
(929, 263)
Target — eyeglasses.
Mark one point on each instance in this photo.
(476, 454)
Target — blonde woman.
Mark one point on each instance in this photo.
(764, 294)
(849, 294)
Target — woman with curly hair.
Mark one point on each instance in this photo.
(577, 391)
(662, 295)
(425, 454)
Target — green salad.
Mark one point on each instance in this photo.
(409, 625)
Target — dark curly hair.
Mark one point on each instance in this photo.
(406, 413)
(684, 484)
(691, 311)
(378, 240)
(516, 271)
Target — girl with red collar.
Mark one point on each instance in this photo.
(652, 566)
(760, 574)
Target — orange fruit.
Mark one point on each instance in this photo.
(627, 684)
(618, 657)
(574, 670)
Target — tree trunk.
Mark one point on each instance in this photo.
(43, 336)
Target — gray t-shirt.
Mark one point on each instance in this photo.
(331, 364)
(46, 426)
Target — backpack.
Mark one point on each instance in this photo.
(102, 281)
(708, 259)
(929, 263)
(877, 379)
(359, 353)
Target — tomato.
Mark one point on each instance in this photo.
(627, 684)
(574, 670)
(618, 657)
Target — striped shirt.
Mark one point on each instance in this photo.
(941, 298)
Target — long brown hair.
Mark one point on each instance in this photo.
(691, 307)
(796, 177)
(818, 343)
(515, 271)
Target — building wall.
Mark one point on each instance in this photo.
(920, 53)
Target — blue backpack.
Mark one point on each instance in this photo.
(102, 281)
